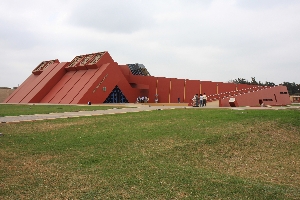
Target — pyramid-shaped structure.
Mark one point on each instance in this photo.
(97, 78)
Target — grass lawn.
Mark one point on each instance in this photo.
(162, 154)
(19, 109)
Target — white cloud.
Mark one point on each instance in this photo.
(209, 40)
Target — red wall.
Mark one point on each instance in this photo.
(78, 86)
(192, 87)
(67, 86)
(266, 95)
(59, 85)
(152, 87)
(177, 90)
(208, 87)
(28, 89)
(226, 87)
(55, 73)
(149, 81)
(244, 86)
(108, 76)
(125, 70)
(93, 90)
(22, 90)
(108, 81)
(86, 79)
(163, 89)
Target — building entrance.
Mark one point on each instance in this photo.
(116, 96)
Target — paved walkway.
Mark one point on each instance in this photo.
(129, 108)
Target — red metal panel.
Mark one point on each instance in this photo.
(108, 76)
(226, 87)
(21, 91)
(163, 89)
(274, 96)
(149, 81)
(152, 88)
(249, 99)
(79, 85)
(130, 93)
(37, 81)
(29, 87)
(192, 87)
(109, 83)
(72, 65)
(116, 77)
(125, 70)
(209, 88)
(223, 90)
(82, 64)
(99, 59)
(177, 90)
(95, 85)
(88, 91)
(43, 65)
(56, 72)
(282, 95)
(243, 86)
(60, 84)
(67, 87)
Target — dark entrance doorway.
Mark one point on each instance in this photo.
(116, 96)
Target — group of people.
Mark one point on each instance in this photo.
(142, 99)
(199, 100)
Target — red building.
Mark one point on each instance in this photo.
(97, 78)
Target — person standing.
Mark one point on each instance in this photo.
(195, 100)
(201, 100)
(204, 99)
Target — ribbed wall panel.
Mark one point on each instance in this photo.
(59, 85)
(67, 87)
(21, 91)
(79, 85)
(54, 73)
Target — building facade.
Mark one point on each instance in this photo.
(97, 78)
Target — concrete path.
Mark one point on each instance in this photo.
(128, 108)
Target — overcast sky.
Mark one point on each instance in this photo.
(217, 40)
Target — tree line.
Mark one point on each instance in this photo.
(293, 88)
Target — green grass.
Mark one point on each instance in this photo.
(15, 110)
(162, 154)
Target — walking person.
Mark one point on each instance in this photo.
(204, 99)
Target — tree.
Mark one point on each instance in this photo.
(269, 83)
(240, 81)
(293, 88)
(253, 81)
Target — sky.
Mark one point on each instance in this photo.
(216, 40)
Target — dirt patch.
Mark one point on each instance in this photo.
(256, 150)
(4, 93)
(265, 152)
(44, 126)
(49, 175)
